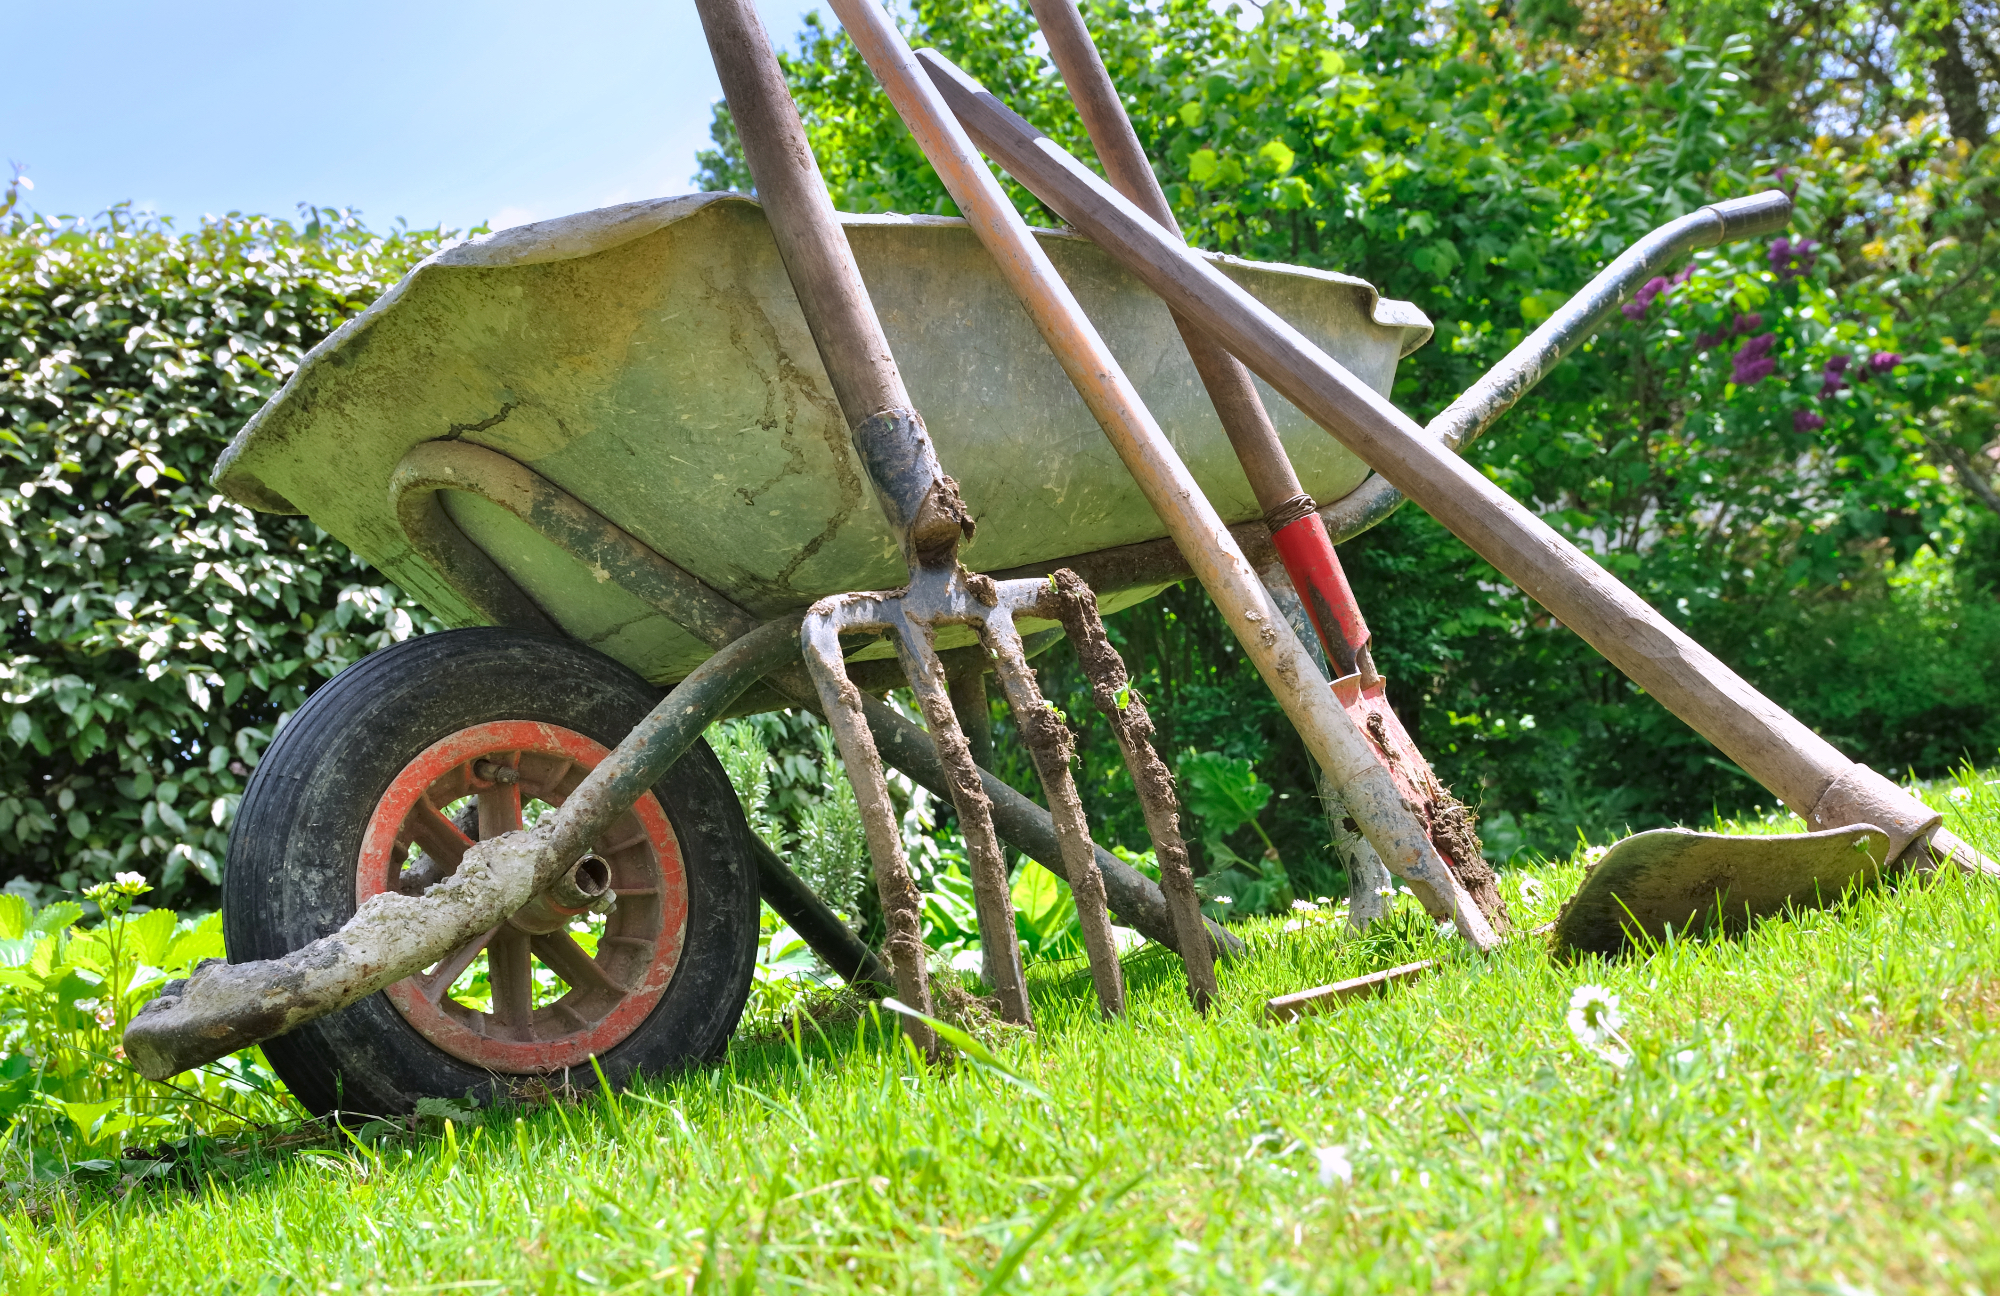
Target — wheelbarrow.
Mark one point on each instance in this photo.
(601, 447)
(620, 452)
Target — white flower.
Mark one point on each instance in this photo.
(1304, 906)
(1333, 1164)
(1594, 1019)
(1533, 891)
(1386, 891)
(1225, 899)
(129, 879)
(1961, 794)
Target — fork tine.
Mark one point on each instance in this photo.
(902, 908)
(1053, 750)
(997, 940)
(1111, 690)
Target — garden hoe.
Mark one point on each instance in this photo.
(1859, 807)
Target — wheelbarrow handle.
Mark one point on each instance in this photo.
(1800, 767)
(1500, 388)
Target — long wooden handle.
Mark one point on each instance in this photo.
(919, 501)
(1796, 764)
(1303, 545)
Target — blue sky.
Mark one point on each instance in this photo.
(446, 112)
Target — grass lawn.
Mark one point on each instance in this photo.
(1814, 1106)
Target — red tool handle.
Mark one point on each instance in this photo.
(1307, 553)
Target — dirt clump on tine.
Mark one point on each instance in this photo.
(1112, 692)
(1454, 829)
(1452, 826)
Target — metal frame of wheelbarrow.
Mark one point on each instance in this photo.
(226, 1007)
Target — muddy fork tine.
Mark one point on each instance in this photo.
(998, 943)
(1053, 750)
(902, 909)
(1076, 607)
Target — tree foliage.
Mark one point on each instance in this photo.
(156, 633)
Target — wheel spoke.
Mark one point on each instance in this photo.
(499, 810)
(439, 837)
(568, 960)
(439, 979)
(510, 971)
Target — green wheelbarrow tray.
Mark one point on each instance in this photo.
(651, 361)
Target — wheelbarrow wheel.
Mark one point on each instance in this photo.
(379, 782)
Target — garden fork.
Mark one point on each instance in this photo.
(930, 520)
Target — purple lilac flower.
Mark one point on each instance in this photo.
(1806, 421)
(1753, 362)
(1836, 365)
(1748, 323)
(1883, 361)
(1703, 341)
(1790, 259)
(1641, 300)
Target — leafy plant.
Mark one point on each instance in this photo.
(1226, 795)
(157, 634)
(66, 992)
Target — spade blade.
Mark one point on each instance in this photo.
(1685, 880)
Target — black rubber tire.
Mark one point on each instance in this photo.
(294, 849)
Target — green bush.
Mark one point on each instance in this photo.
(156, 633)
(68, 1097)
